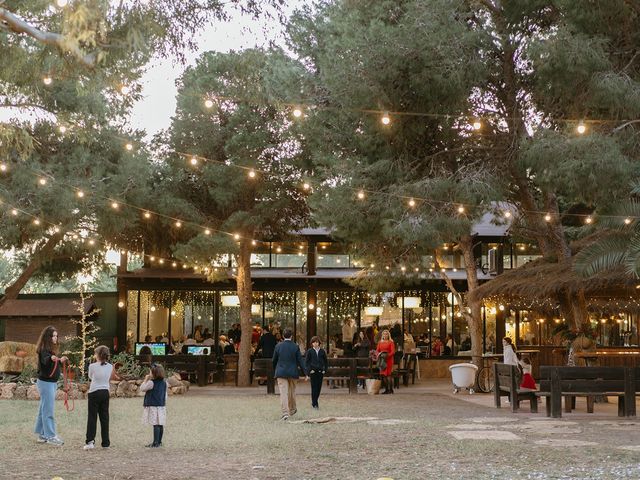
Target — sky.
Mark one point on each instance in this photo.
(153, 113)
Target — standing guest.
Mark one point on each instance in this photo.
(197, 334)
(510, 357)
(49, 366)
(436, 348)
(286, 360)
(155, 401)
(100, 372)
(348, 330)
(317, 364)
(266, 344)
(386, 348)
(362, 348)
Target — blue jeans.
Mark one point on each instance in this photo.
(45, 423)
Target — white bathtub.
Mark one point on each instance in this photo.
(463, 375)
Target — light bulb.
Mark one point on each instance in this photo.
(236, 236)
(124, 90)
(254, 243)
(194, 161)
(178, 224)
(47, 80)
(627, 221)
(62, 3)
(588, 220)
(129, 146)
(252, 174)
(403, 268)
(42, 181)
(161, 261)
(115, 205)
(477, 125)
(207, 231)
(14, 212)
(412, 203)
(208, 103)
(547, 218)
(360, 194)
(36, 221)
(297, 112)
(147, 215)
(306, 186)
(80, 194)
(581, 128)
(3, 167)
(62, 129)
(386, 120)
(121, 304)
(460, 209)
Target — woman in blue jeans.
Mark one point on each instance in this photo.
(49, 367)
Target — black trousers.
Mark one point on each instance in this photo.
(316, 386)
(98, 404)
(158, 430)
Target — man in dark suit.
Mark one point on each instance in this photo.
(286, 360)
(267, 344)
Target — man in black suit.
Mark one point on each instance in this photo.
(266, 344)
(286, 360)
(317, 364)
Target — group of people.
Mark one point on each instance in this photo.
(101, 372)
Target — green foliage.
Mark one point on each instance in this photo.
(128, 367)
(27, 376)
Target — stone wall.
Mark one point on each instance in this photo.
(78, 391)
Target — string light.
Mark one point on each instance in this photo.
(178, 224)
(306, 186)
(115, 205)
(297, 112)
(146, 215)
(361, 195)
(208, 103)
(14, 212)
(547, 218)
(36, 221)
(477, 124)
(62, 3)
(194, 161)
(62, 129)
(581, 128)
(412, 203)
(252, 173)
(80, 194)
(207, 231)
(47, 80)
(460, 209)
(254, 243)
(386, 120)
(236, 236)
(129, 147)
(42, 181)
(125, 90)
(627, 221)
(507, 214)
(588, 220)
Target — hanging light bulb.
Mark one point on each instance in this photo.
(412, 202)
(80, 194)
(125, 90)
(62, 129)
(581, 128)
(174, 264)
(361, 195)
(194, 161)
(236, 236)
(115, 205)
(47, 80)
(62, 3)
(477, 124)
(306, 186)
(207, 231)
(42, 181)
(152, 259)
(208, 103)
(460, 209)
(588, 220)
(178, 224)
(627, 221)
(252, 173)
(129, 146)
(403, 268)
(547, 218)
(146, 215)
(14, 212)
(372, 265)
(507, 214)
(161, 261)
(386, 119)
(297, 112)
(36, 221)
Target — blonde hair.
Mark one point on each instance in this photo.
(383, 332)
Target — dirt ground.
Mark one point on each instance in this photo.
(412, 434)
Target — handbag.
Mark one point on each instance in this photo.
(381, 361)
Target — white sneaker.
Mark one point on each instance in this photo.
(41, 439)
(89, 446)
(55, 441)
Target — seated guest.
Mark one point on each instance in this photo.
(227, 347)
(148, 338)
(145, 350)
(190, 340)
(208, 339)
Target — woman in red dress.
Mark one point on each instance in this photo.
(387, 346)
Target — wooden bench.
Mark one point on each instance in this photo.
(571, 382)
(506, 385)
(263, 370)
(406, 369)
(200, 366)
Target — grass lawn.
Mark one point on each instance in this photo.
(233, 436)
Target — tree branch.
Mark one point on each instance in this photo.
(17, 25)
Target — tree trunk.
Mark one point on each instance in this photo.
(37, 260)
(245, 294)
(470, 306)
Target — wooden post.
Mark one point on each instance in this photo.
(629, 392)
(271, 387)
(496, 385)
(513, 393)
(353, 376)
(202, 371)
(556, 398)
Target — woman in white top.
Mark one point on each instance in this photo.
(510, 357)
(100, 372)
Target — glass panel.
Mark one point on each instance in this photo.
(259, 260)
(301, 319)
(229, 313)
(524, 253)
(279, 309)
(333, 261)
(416, 314)
(490, 311)
(343, 314)
(132, 320)
(322, 301)
(154, 315)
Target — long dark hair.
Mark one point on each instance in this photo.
(102, 352)
(45, 341)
